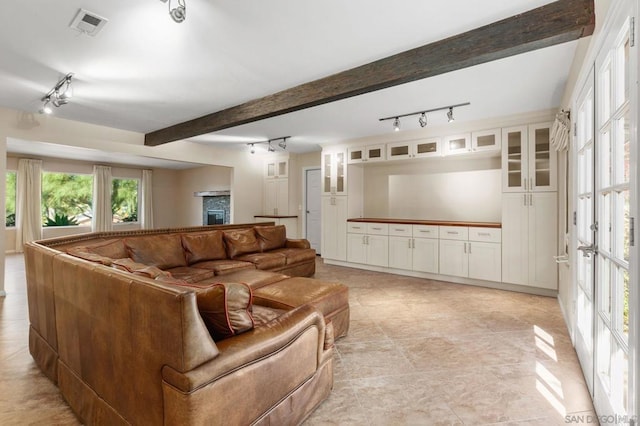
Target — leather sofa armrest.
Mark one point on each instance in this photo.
(251, 347)
(297, 243)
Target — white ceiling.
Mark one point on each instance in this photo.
(144, 72)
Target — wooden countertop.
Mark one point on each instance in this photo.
(271, 216)
(428, 222)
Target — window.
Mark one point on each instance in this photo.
(10, 199)
(66, 199)
(124, 200)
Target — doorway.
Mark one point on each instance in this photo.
(312, 216)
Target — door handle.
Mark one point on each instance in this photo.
(587, 251)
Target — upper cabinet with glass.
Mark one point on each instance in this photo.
(276, 168)
(414, 149)
(486, 140)
(529, 162)
(363, 154)
(334, 171)
(457, 144)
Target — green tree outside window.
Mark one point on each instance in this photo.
(124, 200)
(66, 199)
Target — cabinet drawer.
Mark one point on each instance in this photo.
(356, 228)
(377, 228)
(489, 235)
(425, 231)
(454, 233)
(399, 230)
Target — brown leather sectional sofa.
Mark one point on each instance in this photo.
(190, 326)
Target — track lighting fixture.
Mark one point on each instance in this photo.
(270, 148)
(58, 96)
(422, 120)
(178, 13)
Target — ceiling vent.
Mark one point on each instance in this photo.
(88, 22)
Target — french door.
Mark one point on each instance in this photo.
(606, 193)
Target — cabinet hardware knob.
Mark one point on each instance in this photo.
(452, 232)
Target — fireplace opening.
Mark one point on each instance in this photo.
(215, 217)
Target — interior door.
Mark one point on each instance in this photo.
(313, 208)
(585, 228)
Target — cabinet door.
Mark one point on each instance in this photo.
(327, 172)
(486, 140)
(282, 196)
(270, 197)
(334, 228)
(453, 258)
(340, 172)
(543, 231)
(399, 150)
(356, 248)
(485, 260)
(400, 252)
(514, 159)
(334, 172)
(515, 238)
(374, 153)
(282, 168)
(427, 148)
(378, 250)
(542, 159)
(356, 155)
(457, 144)
(425, 255)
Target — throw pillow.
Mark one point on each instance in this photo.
(226, 309)
(241, 241)
(114, 249)
(82, 253)
(271, 237)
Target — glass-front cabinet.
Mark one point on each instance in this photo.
(276, 168)
(486, 140)
(334, 171)
(414, 149)
(364, 154)
(529, 162)
(457, 144)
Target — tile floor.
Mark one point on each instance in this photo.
(419, 352)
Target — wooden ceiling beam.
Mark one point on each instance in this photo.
(551, 24)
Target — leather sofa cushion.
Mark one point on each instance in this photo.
(264, 260)
(114, 249)
(262, 315)
(202, 246)
(241, 241)
(222, 267)
(162, 251)
(189, 274)
(83, 253)
(136, 268)
(297, 255)
(254, 278)
(271, 237)
(226, 309)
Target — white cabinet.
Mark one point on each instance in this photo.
(413, 247)
(334, 227)
(276, 168)
(530, 226)
(334, 171)
(414, 149)
(457, 144)
(368, 243)
(470, 252)
(486, 140)
(363, 154)
(529, 162)
(276, 196)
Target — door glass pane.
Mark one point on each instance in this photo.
(605, 159)
(626, 149)
(605, 90)
(604, 352)
(488, 140)
(542, 157)
(399, 150)
(340, 171)
(514, 147)
(623, 198)
(604, 277)
(326, 185)
(282, 168)
(604, 226)
(423, 148)
(625, 303)
(375, 153)
(622, 76)
(355, 155)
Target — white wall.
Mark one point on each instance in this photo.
(205, 178)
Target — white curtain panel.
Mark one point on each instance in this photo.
(147, 200)
(28, 202)
(102, 186)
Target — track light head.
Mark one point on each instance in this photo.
(179, 13)
(423, 119)
(450, 115)
(46, 107)
(396, 124)
(283, 143)
(270, 148)
(252, 148)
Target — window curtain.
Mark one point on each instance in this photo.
(102, 186)
(146, 218)
(28, 202)
(560, 131)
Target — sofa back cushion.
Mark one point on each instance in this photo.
(241, 241)
(114, 249)
(83, 253)
(271, 237)
(136, 268)
(162, 251)
(226, 309)
(203, 246)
